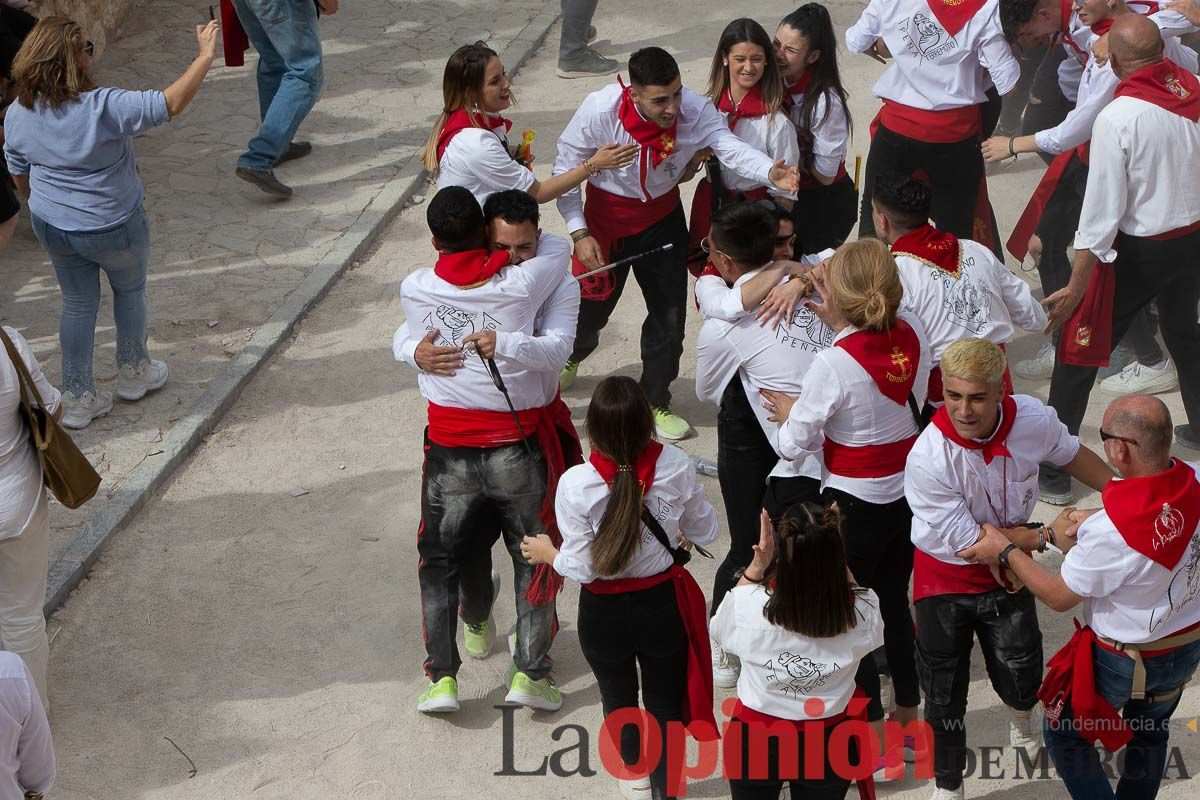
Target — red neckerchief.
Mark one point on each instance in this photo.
(928, 244)
(889, 357)
(995, 445)
(790, 90)
(750, 107)
(1156, 515)
(643, 465)
(656, 142)
(954, 15)
(460, 120)
(1064, 34)
(1142, 8)
(470, 266)
(1166, 85)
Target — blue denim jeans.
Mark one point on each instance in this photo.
(1144, 758)
(123, 253)
(290, 75)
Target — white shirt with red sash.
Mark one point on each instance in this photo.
(829, 135)
(770, 134)
(676, 499)
(761, 357)
(844, 413)
(960, 290)
(1143, 167)
(1137, 563)
(478, 159)
(954, 485)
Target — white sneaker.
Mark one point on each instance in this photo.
(79, 411)
(1138, 378)
(887, 694)
(148, 376)
(1038, 368)
(726, 667)
(636, 789)
(1025, 729)
(948, 794)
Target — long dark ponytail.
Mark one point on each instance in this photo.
(812, 21)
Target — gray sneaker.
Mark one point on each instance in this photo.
(587, 65)
(80, 410)
(133, 383)
(264, 179)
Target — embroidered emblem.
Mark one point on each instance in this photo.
(1083, 336)
(796, 675)
(1168, 526)
(668, 144)
(1176, 88)
(902, 361)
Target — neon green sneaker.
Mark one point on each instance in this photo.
(440, 697)
(670, 426)
(542, 695)
(478, 639)
(567, 376)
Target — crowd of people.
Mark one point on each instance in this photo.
(878, 473)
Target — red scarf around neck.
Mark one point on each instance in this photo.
(799, 87)
(928, 244)
(953, 14)
(657, 143)
(643, 466)
(1166, 85)
(470, 266)
(460, 120)
(995, 445)
(751, 106)
(889, 357)
(1142, 8)
(1156, 515)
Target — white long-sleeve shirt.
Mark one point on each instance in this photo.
(478, 160)
(26, 748)
(931, 69)
(676, 499)
(699, 124)
(771, 134)
(1142, 176)
(717, 300)
(830, 134)
(20, 469)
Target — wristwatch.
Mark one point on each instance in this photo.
(1003, 559)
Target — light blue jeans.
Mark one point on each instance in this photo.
(290, 74)
(123, 253)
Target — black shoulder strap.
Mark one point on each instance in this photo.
(918, 416)
(656, 528)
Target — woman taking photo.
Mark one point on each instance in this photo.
(800, 626)
(827, 203)
(469, 145)
(744, 84)
(622, 517)
(858, 407)
(69, 145)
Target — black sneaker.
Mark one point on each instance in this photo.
(264, 179)
(1054, 485)
(295, 150)
(1185, 436)
(587, 65)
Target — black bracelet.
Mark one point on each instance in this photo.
(1003, 559)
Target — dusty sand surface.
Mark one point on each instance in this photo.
(263, 612)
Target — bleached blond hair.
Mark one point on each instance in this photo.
(974, 360)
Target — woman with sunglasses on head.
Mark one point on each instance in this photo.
(623, 516)
(69, 146)
(801, 626)
(745, 86)
(827, 203)
(859, 406)
(469, 145)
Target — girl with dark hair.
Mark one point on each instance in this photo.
(469, 146)
(623, 517)
(744, 84)
(800, 626)
(827, 203)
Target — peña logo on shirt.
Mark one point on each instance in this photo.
(460, 324)
(797, 675)
(805, 331)
(1188, 588)
(926, 39)
(968, 303)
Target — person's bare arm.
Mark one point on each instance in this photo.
(1089, 469)
(185, 87)
(1047, 587)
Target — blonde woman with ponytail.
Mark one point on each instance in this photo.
(640, 611)
(859, 409)
(469, 145)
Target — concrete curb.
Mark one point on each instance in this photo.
(73, 563)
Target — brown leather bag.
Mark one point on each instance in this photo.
(66, 471)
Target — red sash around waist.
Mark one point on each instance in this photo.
(932, 577)
(1018, 242)
(868, 460)
(611, 217)
(935, 127)
(1071, 678)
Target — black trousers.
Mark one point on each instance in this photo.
(1011, 642)
(621, 634)
(879, 552)
(823, 217)
(954, 171)
(1047, 106)
(664, 283)
(745, 459)
(455, 548)
(1164, 271)
(750, 786)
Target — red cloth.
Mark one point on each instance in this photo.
(868, 460)
(698, 696)
(889, 357)
(233, 36)
(935, 127)
(1156, 515)
(1142, 7)
(460, 120)
(643, 466)
(557, 439)
(470, 266)
(1166, 85)
(751, 106)
(610, 218)
(700, 220)
(994, 446)
(1071, 678)
(954, 14)
(1086, 338)
(937, 391)
(932, 577)
(928, 244)
(657, 142)
(1018, 242)
(799, 87)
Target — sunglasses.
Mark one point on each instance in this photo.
(90, 48)
(1106, 436)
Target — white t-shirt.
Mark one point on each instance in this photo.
(782, 670)
(1128, 597)
(478, 160)
(20, 470)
